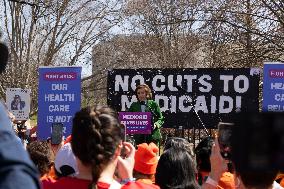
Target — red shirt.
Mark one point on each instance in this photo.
(71, 183)
(75, 183)
(66, 182)
(139, 185)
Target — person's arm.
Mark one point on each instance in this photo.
(160, 119)
(125, 166)
(16, 168)
(218, 167)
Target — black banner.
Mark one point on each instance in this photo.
(215, 94)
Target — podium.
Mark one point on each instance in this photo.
(136, 122)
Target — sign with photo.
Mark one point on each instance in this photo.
(214, 93)
(18, 102)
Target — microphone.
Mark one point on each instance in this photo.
(142, 102)
(149, 108)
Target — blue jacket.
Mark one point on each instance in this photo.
(16, 168)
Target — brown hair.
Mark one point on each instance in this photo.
(96, 134)
(147, 89)
(40, 154)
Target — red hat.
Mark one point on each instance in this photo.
(145, 158)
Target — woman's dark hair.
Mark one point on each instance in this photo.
(40, 153)
(96, 134)
(203, 152)
(147, 90)
(176, 170)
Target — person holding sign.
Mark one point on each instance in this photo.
(146, 104)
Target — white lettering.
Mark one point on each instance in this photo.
(226, 79)
(213, 104)
(223, 100)
(123, 83)
(154, 83)
(237, 84)
(62, 119)
(58, 108)
(189, 79)
(279, 97)
(171, 83)
(125, 103)
(139, 78)
(201, 104)
(202, 81)
(173, 103)
(59, 97)
(182, 100)
(59, 87)
(277, 86)
(238, 103)
(158, 98)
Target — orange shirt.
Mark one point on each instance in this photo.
(281, 178)
(282, 182)
(227, 181)
(50, 175)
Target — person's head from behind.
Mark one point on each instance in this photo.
(143, 92)
(40, 154)
(178, 143)
(65, 162)
(4, 54)
(96, 136)
(176, 170)
(203, 152)
(146, 161)
(254, 148)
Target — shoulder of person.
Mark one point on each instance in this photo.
(152, 102)
(276, 186)
(138, 185)
(135, 104)
(66, 182)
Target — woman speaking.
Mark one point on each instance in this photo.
(146, 104)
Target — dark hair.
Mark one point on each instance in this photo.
(147, 90)
(40, 154)
(177, 142)
(203, 152)
(96, 134)
(255, 141)
(175, 170)
(4, 54)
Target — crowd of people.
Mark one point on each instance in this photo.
(96, 157)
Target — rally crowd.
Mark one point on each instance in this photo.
(95, 156)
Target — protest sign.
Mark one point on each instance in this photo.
(18, 102)
(59, 98)
(214, 93)
(136, 122)
(273, 87)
